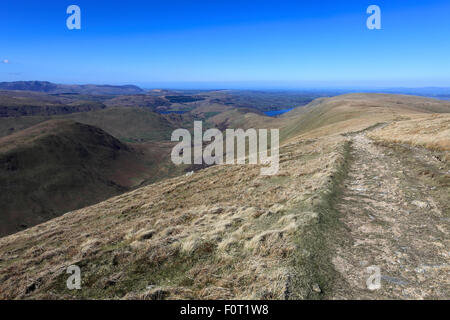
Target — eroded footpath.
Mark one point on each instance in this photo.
(395, 215)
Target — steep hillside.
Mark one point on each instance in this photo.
(224, 232)
(339, 203)
(61, 165)
(134, 124)
(336, 114)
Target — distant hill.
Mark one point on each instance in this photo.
(131, 124)
(183, 99)
(48, 87)
(62, 165)
(241, 118)
(338, 113)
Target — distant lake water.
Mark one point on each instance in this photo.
(168, 112)
(274, 113)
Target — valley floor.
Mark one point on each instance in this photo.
(395, 215)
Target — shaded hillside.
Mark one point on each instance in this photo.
(127, 124)
(61, 165)
(48, 87)
(134, 124)
(224, 232)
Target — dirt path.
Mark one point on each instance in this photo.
(394, 207)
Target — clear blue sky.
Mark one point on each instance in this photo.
(227, 43)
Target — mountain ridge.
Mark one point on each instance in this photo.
(52, 88)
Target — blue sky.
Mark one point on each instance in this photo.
(196, 43)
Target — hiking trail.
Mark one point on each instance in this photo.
(395, 217)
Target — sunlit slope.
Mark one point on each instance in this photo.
(224, 232)
(429, 131)
(339, 114)
(62, 165)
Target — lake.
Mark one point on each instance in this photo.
(169, 112)
(274, 113)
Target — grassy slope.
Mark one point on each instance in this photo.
(61, 165)
(430, 131)
(337, 114)
(132, 124)
(225, 232)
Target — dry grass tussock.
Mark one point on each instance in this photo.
(432, 132)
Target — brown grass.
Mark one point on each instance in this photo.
(432, 132)
(223, 232)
